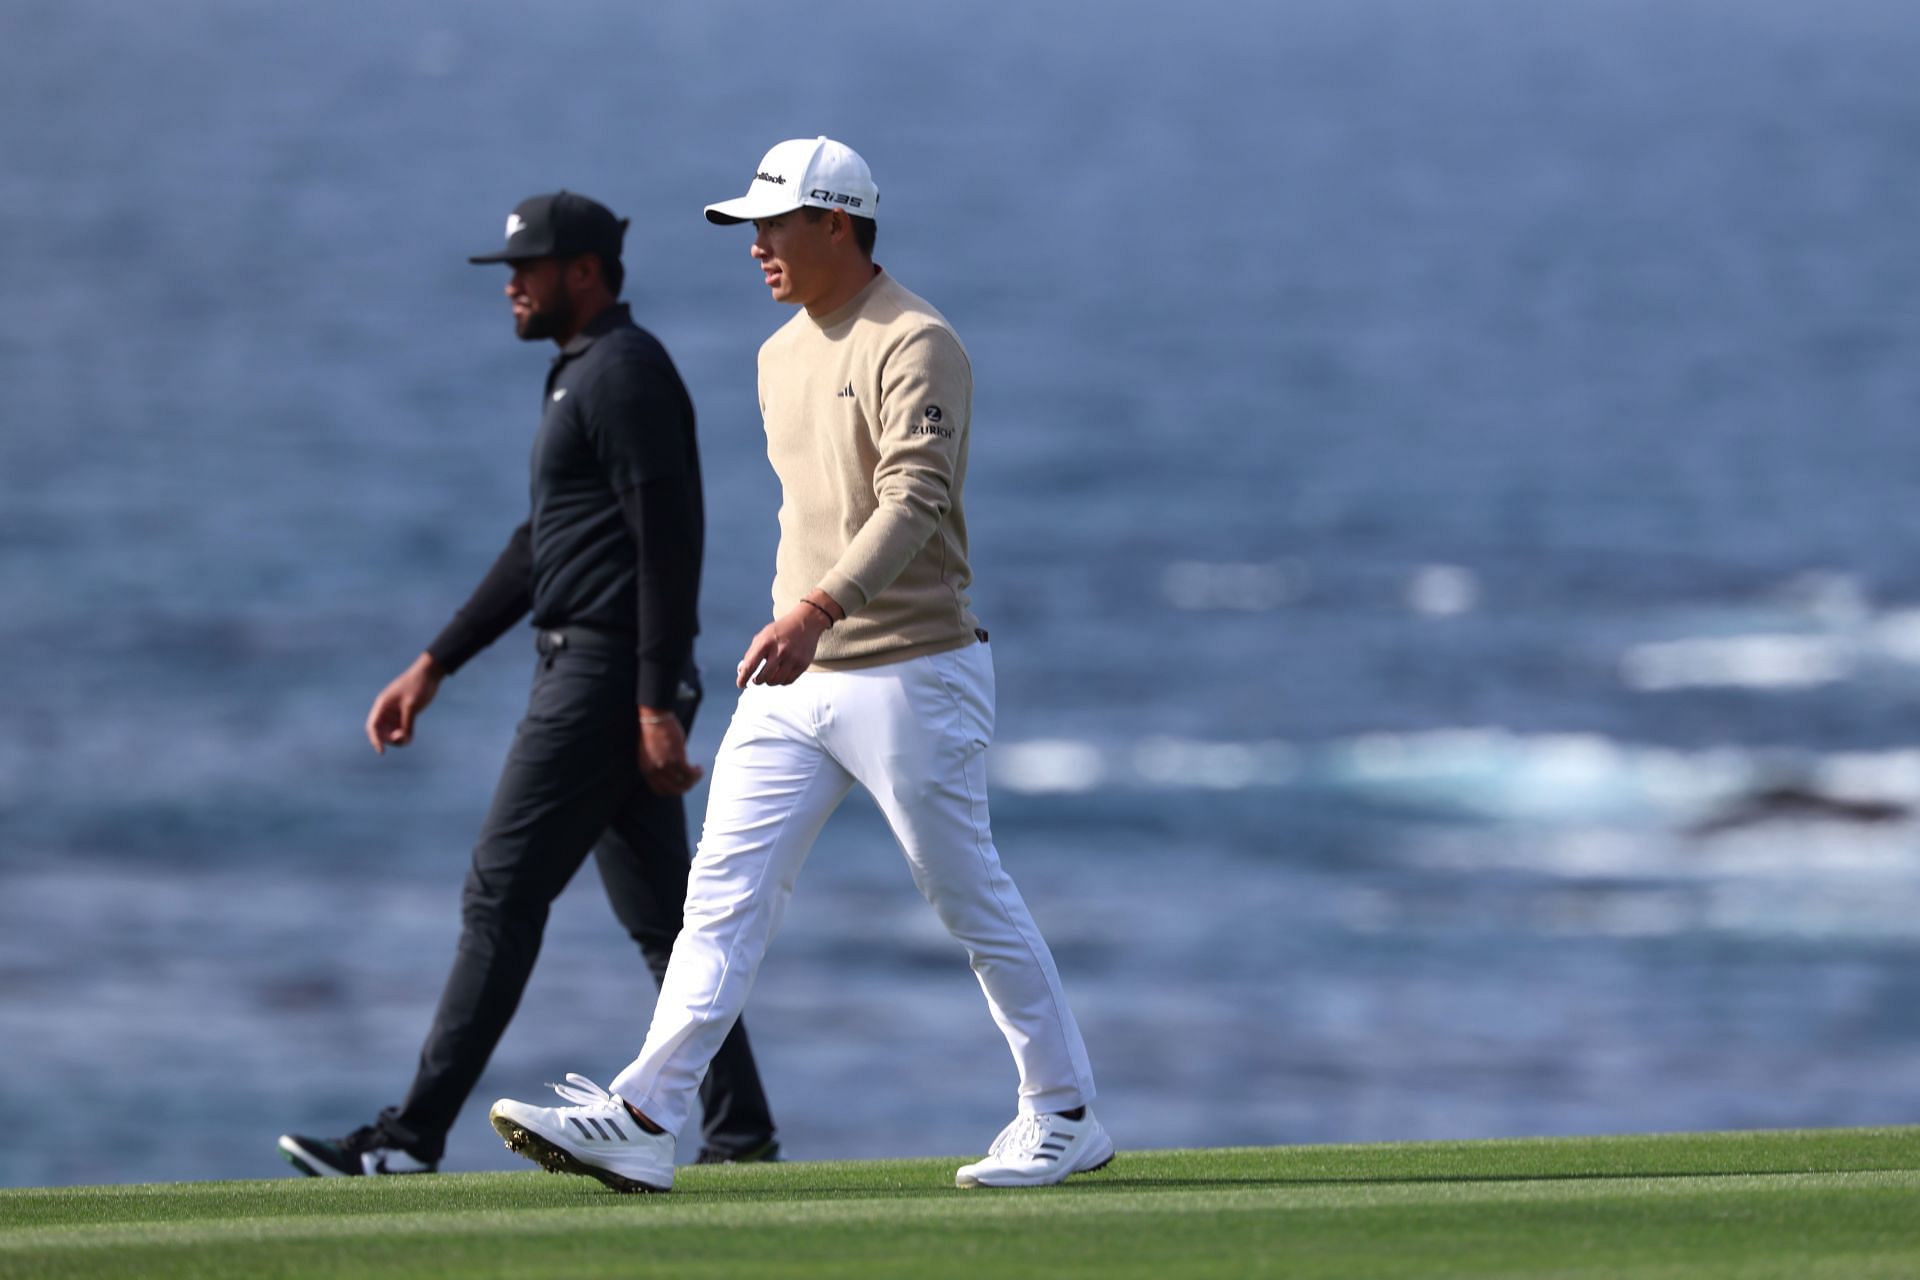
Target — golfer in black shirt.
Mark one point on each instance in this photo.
(608, 564)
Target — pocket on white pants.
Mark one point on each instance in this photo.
(967, 676)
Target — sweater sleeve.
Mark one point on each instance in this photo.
(502, 599)
(925, 410)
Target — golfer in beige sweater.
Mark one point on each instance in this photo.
(873, 671)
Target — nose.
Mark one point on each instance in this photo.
(758, 249)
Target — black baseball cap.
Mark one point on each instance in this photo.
(560, 225)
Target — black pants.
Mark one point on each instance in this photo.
(570, 785)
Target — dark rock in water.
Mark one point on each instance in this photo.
(1791, 802)
(287, 994)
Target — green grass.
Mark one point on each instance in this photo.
(1840, 1203)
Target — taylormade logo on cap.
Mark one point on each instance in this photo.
(816, 172)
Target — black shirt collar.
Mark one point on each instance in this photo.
(616, 316)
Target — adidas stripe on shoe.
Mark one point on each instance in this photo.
(596, 1138)
(1038, 1151)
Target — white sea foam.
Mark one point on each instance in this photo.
(1048, 765)
(1869, 775)
(1442, 591)
(1199, 586)
(1896, 636)
(1217, 766)
(1751, 661)
(1565, 780)
(1819, 628)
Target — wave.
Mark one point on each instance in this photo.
(1201, 586)
(1842, 643)
(1496, 774)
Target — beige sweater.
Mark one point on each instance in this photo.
(866, 413)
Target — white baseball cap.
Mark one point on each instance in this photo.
(818, 172)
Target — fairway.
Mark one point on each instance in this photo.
(1839, 1203)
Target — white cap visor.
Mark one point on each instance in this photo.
(763, 200)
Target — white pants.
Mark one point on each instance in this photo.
(915, 735)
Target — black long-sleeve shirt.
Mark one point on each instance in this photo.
(616, 532)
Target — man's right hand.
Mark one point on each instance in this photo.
(390, 723)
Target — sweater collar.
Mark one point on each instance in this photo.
(849, 309)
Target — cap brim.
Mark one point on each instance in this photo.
(754, 204)
(503, 256)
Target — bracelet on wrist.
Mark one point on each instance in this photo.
(822, 609)
(661, 718)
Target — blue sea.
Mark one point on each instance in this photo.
(1444, 489)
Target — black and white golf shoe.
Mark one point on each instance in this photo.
(366, 1152)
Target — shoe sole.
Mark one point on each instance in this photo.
(1092, 1168)
(312, 1166)
(557, 1159)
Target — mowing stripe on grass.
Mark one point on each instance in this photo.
(1819, 1204)
(1004, 1210)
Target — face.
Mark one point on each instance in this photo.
(793, 252)
(542, 302)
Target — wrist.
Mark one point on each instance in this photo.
(820, 610)
(654, 715)
(814, 616)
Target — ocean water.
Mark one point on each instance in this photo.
(1441, 492)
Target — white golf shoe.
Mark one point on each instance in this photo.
(1039, 1150)
(597, 1137)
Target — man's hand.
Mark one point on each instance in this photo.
(390, 723)
(785, 647)
(663, 754)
